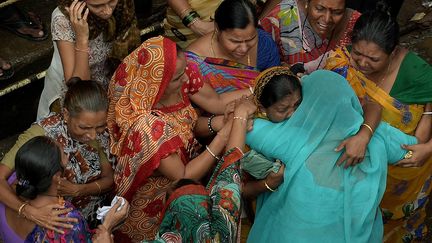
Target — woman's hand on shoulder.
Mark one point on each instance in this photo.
(78, 14)
(420, 154)
(48, 217)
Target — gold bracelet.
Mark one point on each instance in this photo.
(368, 127)
(83, 50)
(212, 154)
(427, 113)
(268, 187)
(240, 118)
(100, 190)
(21, 208)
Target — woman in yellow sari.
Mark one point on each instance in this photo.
(400, 82)
(186, 20)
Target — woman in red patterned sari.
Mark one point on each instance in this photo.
(151, 122)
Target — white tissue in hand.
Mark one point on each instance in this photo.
(101, 212)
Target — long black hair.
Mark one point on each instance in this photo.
(36, 162)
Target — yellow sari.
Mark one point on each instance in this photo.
(182, 35)
(408, 189)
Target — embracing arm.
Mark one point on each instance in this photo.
(355, 146)
(215, 103)
(422, 151)
(424, 127)
(173, 168)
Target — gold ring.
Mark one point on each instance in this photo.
(409, 154)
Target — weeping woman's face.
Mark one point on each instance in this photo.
(284, 108)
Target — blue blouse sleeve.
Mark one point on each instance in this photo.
(268, 54)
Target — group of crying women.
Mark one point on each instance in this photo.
(310, 109)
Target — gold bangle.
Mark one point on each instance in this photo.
(268, 187)
(100, 190)
(368, 127)
(240, 118)
(21, 208)
(212, 154)
(427, 113)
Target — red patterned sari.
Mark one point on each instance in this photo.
(142, 135)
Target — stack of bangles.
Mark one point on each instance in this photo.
(190, 18)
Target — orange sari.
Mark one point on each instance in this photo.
(142, 135)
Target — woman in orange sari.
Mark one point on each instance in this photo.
(151, 122)
(399, 81)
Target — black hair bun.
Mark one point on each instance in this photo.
(27, 191)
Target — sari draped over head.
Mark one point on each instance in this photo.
(407, 188)
(142, 135)
(195, 213)
(296, 39)
(319, 201)
(178, 32)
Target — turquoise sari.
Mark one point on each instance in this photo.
(318, 200)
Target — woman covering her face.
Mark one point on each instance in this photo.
(90, 38)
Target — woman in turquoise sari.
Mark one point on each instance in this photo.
(318, 200)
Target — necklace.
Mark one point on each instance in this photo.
(385, 74)
(214, 54)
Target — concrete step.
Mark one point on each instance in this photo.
(18, 98)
